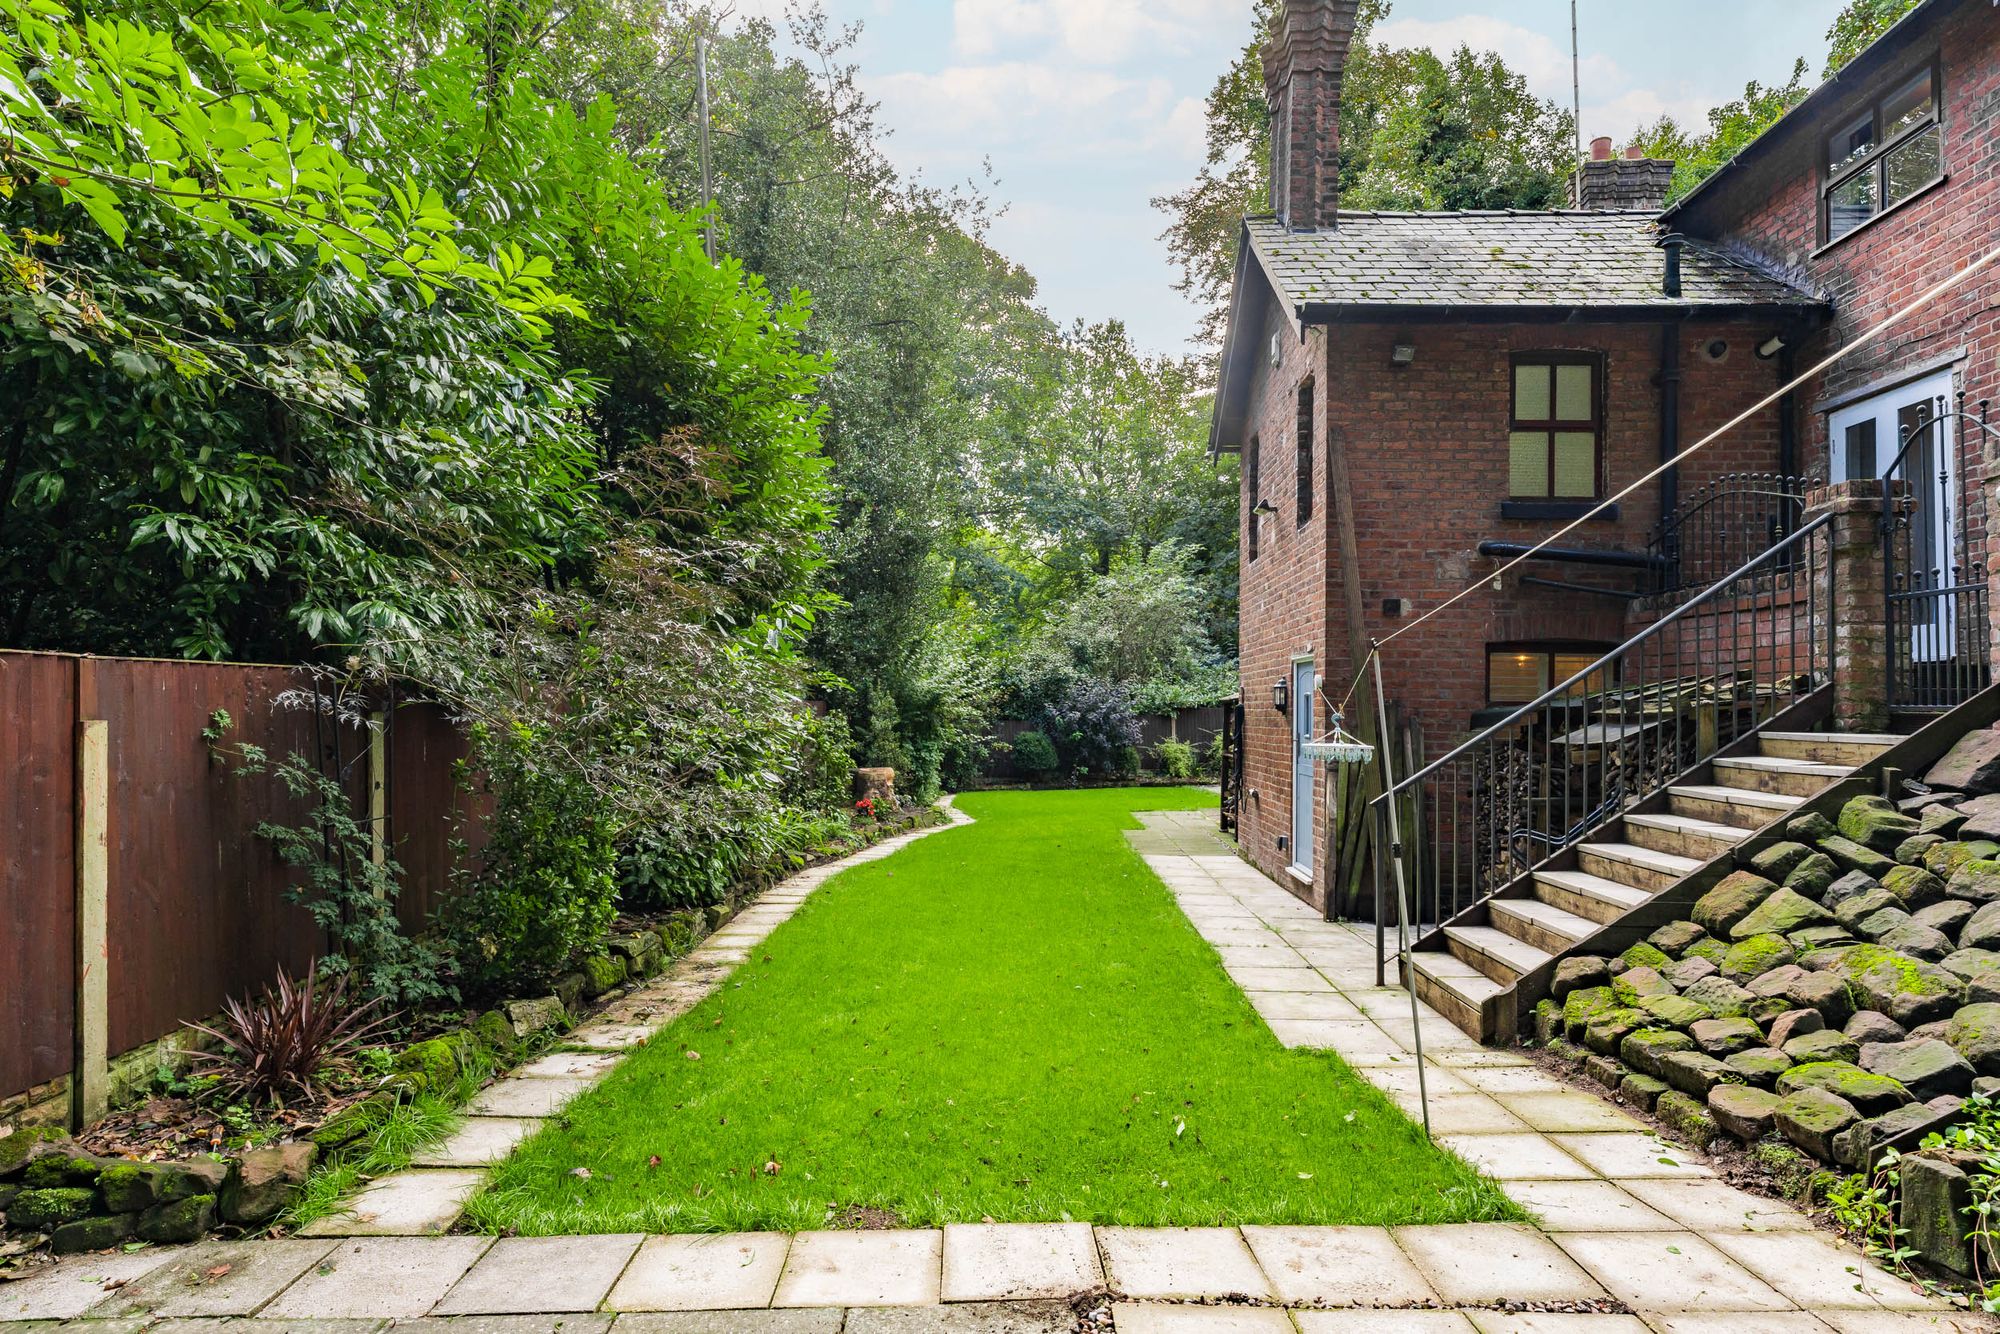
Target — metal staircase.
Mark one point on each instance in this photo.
(1468, 969)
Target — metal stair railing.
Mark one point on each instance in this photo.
(1703, 675)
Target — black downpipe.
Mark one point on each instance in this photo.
(1788, 413)
(1670, 414)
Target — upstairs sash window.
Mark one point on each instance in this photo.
(1556, 427)
(1882, 154)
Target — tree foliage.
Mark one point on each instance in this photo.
(1417, 132)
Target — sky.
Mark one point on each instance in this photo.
(1087, 109)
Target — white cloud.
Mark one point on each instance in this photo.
(1099, 32)
(960, 114)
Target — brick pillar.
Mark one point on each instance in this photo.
(1859, 602)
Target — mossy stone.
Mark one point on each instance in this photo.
(1754, 956)
(1810, 827)
(1818, 938)
(1790, 1171)
(1687, 1116)
(1827, 1044)
(1643, 955)
(1641, 1090)
(1779, 860)
(1709, 948)
(1874, 823)
(92, 1234)
(61, 1170)
(1548, 1020)
(1782, 911)
(1913, 886)
(1813, 876)
(1971, 962)
(436, 1058)
(1581, 1006)
(1745, 1112)
(125, 1188)
(1760, 1066)
(1644, 1049)
(181, 1220)
(492, 1031)
(1975, 1031)
(1872, 1094)
(1944, 859)
(1857, 856)
(41, 1210)
(1607, 1028)
(1811, 1117)
(1910, 852)
(601, 972)
(1725, 1037)
(16, 1149)
(1675, 937)
(1678, 1011)
(1975, 881)
(1734, 897)
(1908, 990)
(1576, 973)
(1852, 912)
(352, 1123)
(1636, 983)
(1720, 996)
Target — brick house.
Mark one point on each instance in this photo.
(1416, 396)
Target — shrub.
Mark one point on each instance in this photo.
(1125, 762)
(288, 1041)
(1211, 757)
(825, 774)
(543, 889)
(1176, 759)
(1034, 752)
(1091, 724)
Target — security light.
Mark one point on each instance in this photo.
(1402, 354)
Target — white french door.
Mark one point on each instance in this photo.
(1305, 772)
(1900, 433)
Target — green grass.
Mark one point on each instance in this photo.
(1011, 1020)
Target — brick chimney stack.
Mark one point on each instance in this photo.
(1633, 181)
(1304, 59)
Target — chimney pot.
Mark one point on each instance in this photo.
(1634, 153)
(1600, 148)
(1304, 59)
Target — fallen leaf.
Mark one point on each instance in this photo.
(1305, 1176)
(772, 1168)
(653, 1160)
(581, 1173)
(694, 1055)
(218, 1271)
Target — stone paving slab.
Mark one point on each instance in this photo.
(480, 1142)
(1383, 1322)
(526, 1275)
(67, 1290)
(1817, 1272)
(1338, 1266)
(566, 1064)
(1481, 1264)
(258, 1325)
(698, 1273)
(216, 1279)
(1670, 1271)
(569, 1322)
(732, 1322)
(1589, 1206)
(1040, 1317)
(527, 1097)
(1148, 1318)
(406, 1204)
(396, 1277)
(1001, 1262)
(1164, 1263)
(899, 1268)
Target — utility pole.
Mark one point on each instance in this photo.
(1575, 84)
(707, 177)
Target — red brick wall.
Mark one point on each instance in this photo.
(1283, 591)
(1427, 462)
(1770, 212)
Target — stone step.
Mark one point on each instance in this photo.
(1587, 895)
(1540, 924)
(1683, 835)
(1770, 773)
(1493, 952)
(1458, 991)
(1642, 868)
(1826, 747)
(1730, 805)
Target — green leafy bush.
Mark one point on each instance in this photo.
(1034, 753)
(542, 889)
(1211, 757)
(1176, 759)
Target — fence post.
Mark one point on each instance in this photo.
(90, 1077)
(378, 790)
(1858, 609)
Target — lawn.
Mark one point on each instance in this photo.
(1009, 1020)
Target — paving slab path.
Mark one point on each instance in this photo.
(1634, 1234)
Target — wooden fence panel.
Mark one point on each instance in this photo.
(196, 907)
(37, 869)
(427, 811)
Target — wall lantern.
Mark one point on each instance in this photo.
(1402, 354)
(1281, 695)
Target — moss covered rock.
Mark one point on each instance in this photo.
(601, 972)
(1760, 1066)
(1810, 827)
(1687, 1116)
(492, 1032)
(26, 1143)
(92, 1234)
(1914, 887)
(1644, 1049)
(1825, 1044)
(1811, 1117)
(47, 1208)
(1975, 1032)
(1641, 1091)
(1975, 881)
(1813, 876)
(1707, 948)
(1608, 1028)
(1908, 990)
(1643, 955)
(1910, 852)
(1872, 1094)
(1778, 860)
(1720, 996)
(1926, 1067)
(1675, 937)
(1635, 984)
(1745, 1112)
(182, 1220)
(1755, 956)
(1580, 972)
(1874, 823)
(1725, 1037)
(58, 1169)
(1734, 898)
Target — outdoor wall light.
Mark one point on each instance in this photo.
(1281, 695)
(1771, 346)
(1402, 354)
(1263, 509)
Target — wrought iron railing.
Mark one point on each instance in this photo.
(1720, 525)
(1712, 669)
(1933, 550)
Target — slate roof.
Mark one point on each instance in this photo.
(1513, 260)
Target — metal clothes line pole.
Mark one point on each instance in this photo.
(1575, 84)
(1395, 851)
